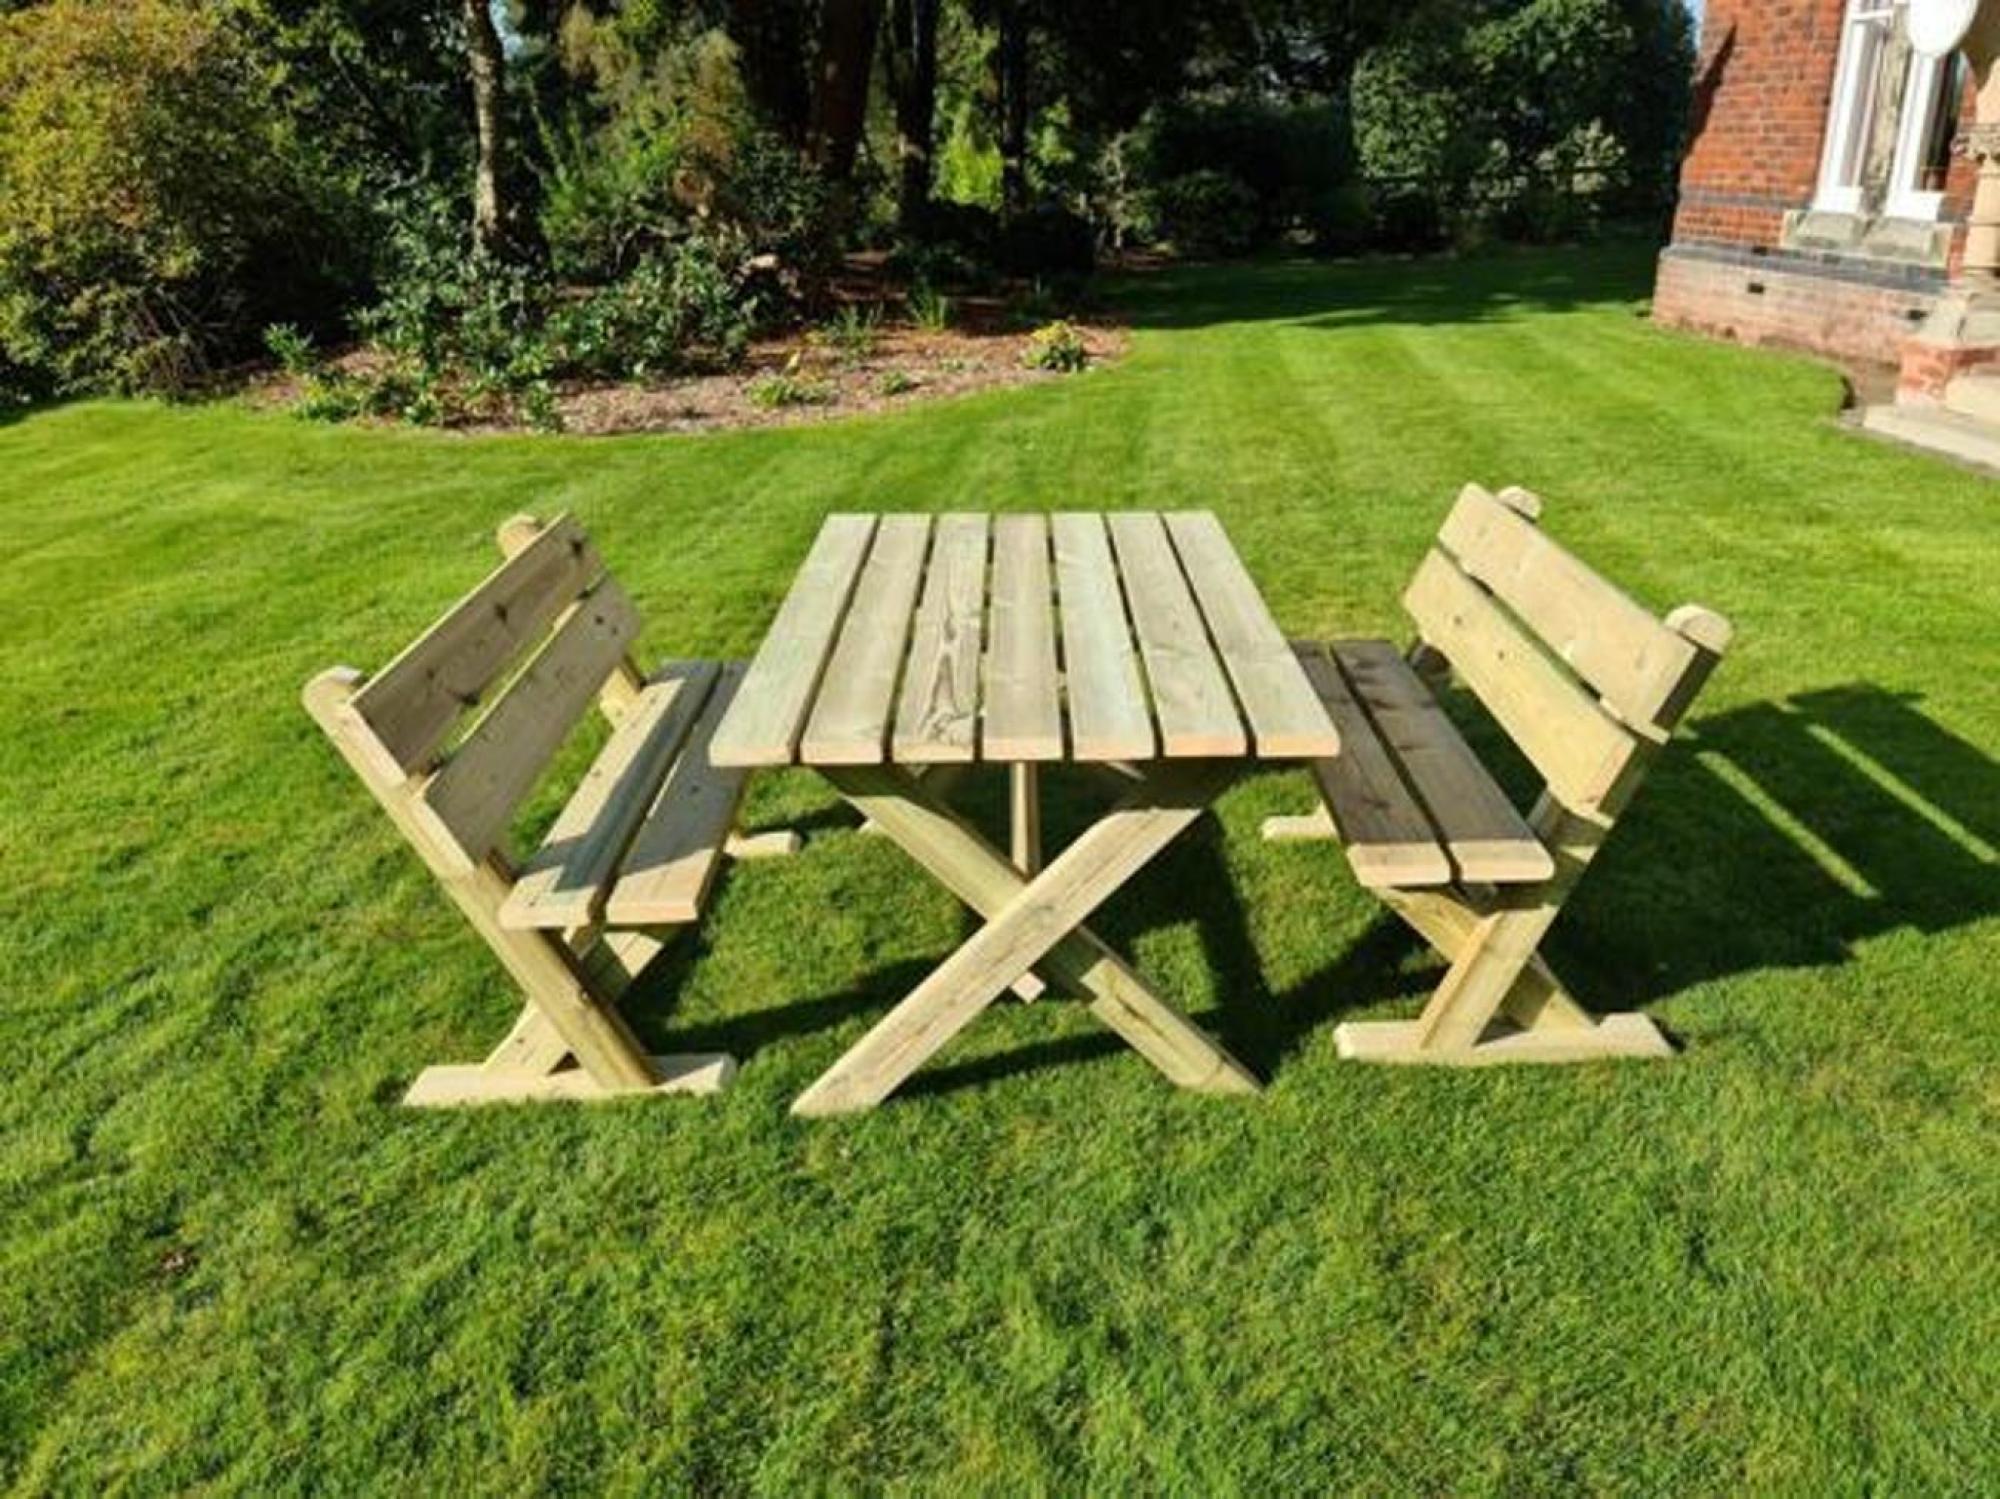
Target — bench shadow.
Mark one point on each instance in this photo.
(1773, 836)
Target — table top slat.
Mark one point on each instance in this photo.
(1287, 718)
(1108, 717)
(764, 720)
(1191, 696)
(938, 719)
(850, 722)
(1023, 706)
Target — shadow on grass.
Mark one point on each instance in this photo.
(1774, 836)
(1417, 292)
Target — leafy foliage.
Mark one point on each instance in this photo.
(788, 387)
(1057, 347)
(1209, 212)
(156, 210)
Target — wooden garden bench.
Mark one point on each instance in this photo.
(1587, 684)
(629, 858)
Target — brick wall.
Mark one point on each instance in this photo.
(1763, 86)
(1756, 301)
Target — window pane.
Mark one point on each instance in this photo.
(1941, 129)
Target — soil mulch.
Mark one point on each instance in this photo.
(902, 365)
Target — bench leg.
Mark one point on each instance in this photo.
(1499, 1001)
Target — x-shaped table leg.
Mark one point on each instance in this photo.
(1031, 924)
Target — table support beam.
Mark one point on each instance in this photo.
(1031, 924)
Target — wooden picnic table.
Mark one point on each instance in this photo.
(1135, 641)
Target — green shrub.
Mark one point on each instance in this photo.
(1058, 347)
(155, 212)
(1293, 157)
(678, 310)
(1048, 240)
(1209, 213)
(896, 383)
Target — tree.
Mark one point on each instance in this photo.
(1010, 81)
(842, 66)
(486, 63)
(912, 70)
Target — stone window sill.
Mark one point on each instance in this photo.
(1868, 237)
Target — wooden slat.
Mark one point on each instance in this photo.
(1382, 829)
(412, 702)
(1108, 718)
(1023, 717)
(566, 882)
(1555, 721)
(1191, 695)
(938, 720)
(1483, 834)
(1600, 632)
(483, 781)
(857, 693)
(777, 692)
(674, 859)
(1286, 717)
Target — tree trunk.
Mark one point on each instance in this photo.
(913, 57)
(488, 66)
(1012, 58)
(771, 34)
(840, 91)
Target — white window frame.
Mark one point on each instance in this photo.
(1850, 119)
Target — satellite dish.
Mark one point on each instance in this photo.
(1938, 26)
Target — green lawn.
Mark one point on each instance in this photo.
(228, 1263)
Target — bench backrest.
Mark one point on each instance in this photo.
(1584, 680)
(551, 608)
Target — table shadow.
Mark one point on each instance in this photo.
(1774, 836)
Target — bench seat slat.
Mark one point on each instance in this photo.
(412, 702)
(1485, 837)
(674, 858)
(567, 881)
(1382, 829)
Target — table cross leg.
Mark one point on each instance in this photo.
(1030, 923)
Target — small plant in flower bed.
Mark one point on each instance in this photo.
(787, 388)
(896, 383)
(852, 332)
(930, 309)
(1058, 347)
(292, 349)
